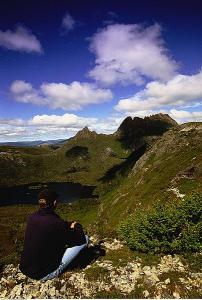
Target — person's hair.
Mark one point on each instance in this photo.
(46, 198)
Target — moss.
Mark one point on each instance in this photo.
(113, 294)
(120, 257)
(193, 294)
(189, 185)
(174, 277)
(194, 261)
(96, 273)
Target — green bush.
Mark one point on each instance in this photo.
(169, 228)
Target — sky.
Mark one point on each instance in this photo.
(69, 64)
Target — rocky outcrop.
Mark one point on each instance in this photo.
(13, 157)
(109, 152)
(169, 278)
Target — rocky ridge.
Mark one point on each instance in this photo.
(170, 278)
(132, 129)
(12, 156)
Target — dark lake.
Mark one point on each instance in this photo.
(25, 194)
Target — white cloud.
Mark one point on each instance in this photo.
(179, 91)
(59, 95)
(13, 122)
(66, 120)
(74, 123)
(54, 126)
(145, 113)
(25, 93)
(21, 39)
(7, 133)
(44, 127)
(68, 22)
(129, 54)
(107, 125)
(182, 116)
(74, 95)
(21, 87)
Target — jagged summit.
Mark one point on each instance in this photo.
(153, 125)
(162, 117)
(134, 132)
(85, 133)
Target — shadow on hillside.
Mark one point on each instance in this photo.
(77, 151)
(124, 167)
(86, 257)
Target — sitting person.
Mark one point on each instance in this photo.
(50, 242)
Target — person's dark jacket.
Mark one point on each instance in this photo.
(46, 238)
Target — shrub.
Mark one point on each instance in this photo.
(169, 228)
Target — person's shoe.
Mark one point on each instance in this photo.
(98, 251)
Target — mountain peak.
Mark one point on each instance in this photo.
(147, 124)
(85, 133)
(136, 129)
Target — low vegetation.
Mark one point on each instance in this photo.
(172, 228)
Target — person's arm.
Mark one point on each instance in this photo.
(74, 234)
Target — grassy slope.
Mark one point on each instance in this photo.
(21, 165)
(174, 161)
(93, 167)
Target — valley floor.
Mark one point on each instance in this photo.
(121, 273)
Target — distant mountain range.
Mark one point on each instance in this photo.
(34, 143)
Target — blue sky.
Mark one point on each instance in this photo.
(70, 64)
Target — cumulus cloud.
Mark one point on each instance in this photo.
(130, 54)
(107, 125)
(59, 95)
(20, 39)
(179, 115)
(74, 95)
(25, 93)
(180, 90)
(54, 126)
(66, 120)
(68, 22)
(182, 116)
(46, 127)
(73, 123)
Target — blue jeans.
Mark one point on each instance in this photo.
(67, 258)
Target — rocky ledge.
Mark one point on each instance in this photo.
(109, 278)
